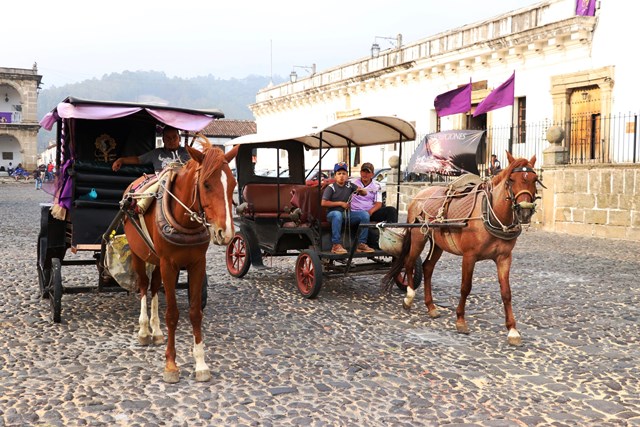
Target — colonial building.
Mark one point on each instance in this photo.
(18, 116)
(573, 75)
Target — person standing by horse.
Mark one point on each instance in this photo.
(336, 197)
(159, 157)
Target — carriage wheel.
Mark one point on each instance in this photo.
(44, 271)
(55, 289)
(238, 256)
(401, 278)
(309, 274)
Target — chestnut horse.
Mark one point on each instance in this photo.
(193, 207)
(498, 209)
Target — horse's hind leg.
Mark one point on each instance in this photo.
(196, 279)
(427, 268)
(418, 241)
(468, 264)
(156, 331)
(504, 266)
(144, 333)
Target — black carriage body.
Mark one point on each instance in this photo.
(87, 144)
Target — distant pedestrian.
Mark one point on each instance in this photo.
(494, 166)
(49, 174)
(37, 175)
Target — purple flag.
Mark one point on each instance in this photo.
(498, 98)
(586, 7)
(453, 102)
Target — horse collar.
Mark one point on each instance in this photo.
(509, 232)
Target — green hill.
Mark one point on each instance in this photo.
(232, 96)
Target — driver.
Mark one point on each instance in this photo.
(160, 157)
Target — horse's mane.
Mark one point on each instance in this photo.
(213, 159)
(504, 173)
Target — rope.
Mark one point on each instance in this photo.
(193, 216)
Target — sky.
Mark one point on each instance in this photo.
(76, 40)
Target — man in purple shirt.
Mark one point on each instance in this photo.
(336, 198)
(371, 203)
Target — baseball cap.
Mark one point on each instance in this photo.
(340, 165)
(367, 167)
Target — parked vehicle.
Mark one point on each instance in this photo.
(89, 192)
(282, 216)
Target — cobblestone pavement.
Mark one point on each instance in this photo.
(350, 357)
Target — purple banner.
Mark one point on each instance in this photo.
(501, 96)
(5, 117)
(586, 7)
(453, 102)
(451, 152)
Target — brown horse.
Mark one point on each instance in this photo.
(193, 207)
(495, 213)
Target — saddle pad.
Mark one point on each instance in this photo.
(442, 207)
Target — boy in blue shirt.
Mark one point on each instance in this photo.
(336, 197)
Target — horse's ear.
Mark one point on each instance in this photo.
(509, 157)
(231, 154)
(533, 161)
(195, 154)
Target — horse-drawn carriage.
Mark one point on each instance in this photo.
(90, 135)
(476, 218)
(281, 214)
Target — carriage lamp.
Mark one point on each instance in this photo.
(396, 42)
(294, 76)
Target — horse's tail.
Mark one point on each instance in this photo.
(398, 263)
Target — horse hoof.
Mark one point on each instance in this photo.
(171, 377)
(514, 338)
(406, 306)
(462, 328)
(158, 339)
(202, 376)
(434, 314)
(144, 339)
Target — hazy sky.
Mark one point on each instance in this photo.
(75, 40)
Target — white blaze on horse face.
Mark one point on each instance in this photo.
(228, 232)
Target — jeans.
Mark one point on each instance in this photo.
(336, 218)
(38, 183)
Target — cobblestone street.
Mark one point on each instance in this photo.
(351, 357)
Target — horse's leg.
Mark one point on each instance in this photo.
(169, 278)
(468, 264)
(196, 279)
(504, 266)
(427, 269)
(156, 283)
(144, 333)
(418, 241)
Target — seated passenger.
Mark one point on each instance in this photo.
(336, 197)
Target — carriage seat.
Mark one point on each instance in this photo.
(91, 217)
(262, 200)
(307, 199)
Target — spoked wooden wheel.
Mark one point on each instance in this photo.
(309, 274)
(401, 278)
(55, 289)
(238, 256)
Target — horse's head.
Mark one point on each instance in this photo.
(520, 181)
(215, 186)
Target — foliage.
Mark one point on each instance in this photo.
(232, 96)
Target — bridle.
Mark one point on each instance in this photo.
(518, 206)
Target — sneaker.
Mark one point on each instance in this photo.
(338, 249)
(362, 247)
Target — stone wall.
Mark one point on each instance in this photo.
(592, 200)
